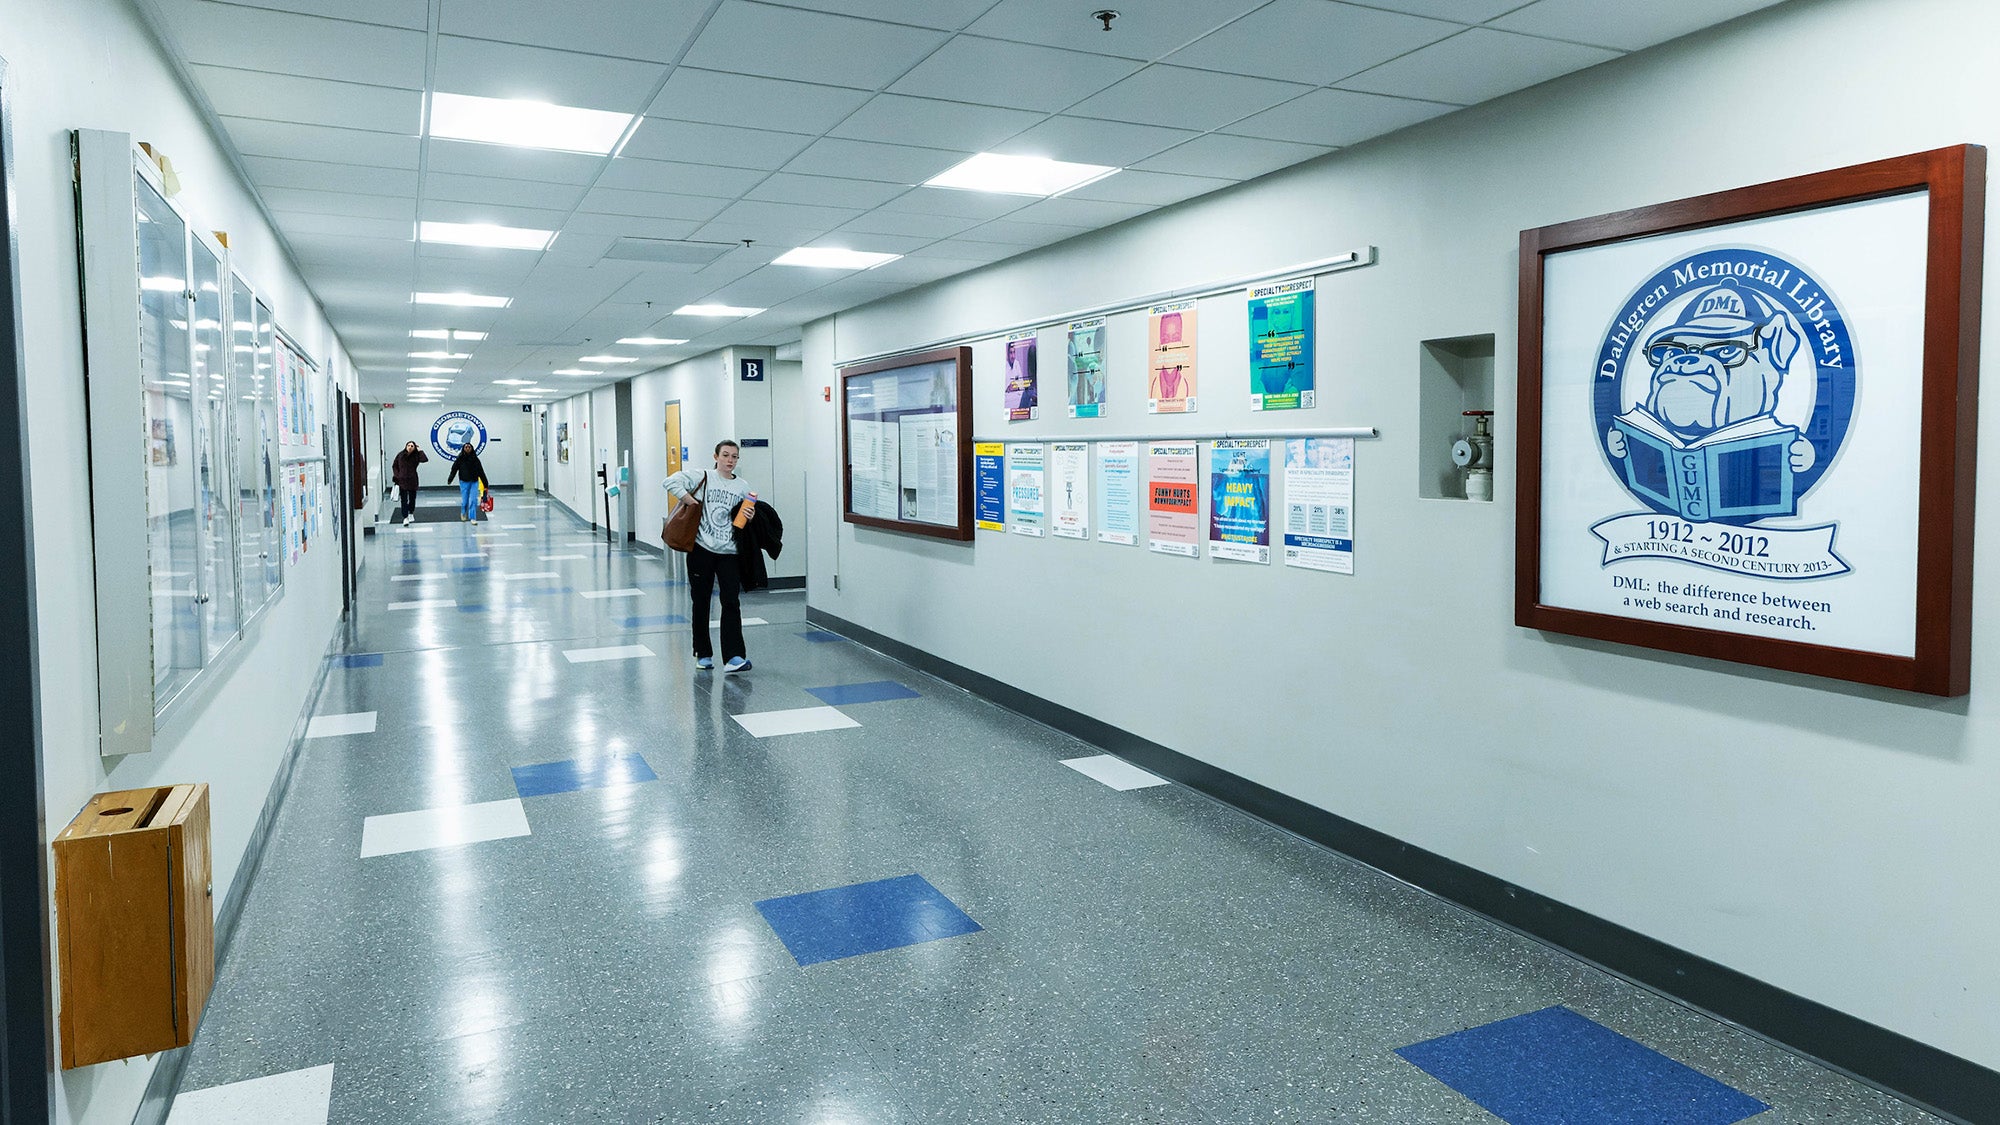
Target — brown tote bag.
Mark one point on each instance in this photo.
(678, 530)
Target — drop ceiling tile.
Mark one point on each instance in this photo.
(1181, 98)
(1457, 11)
(389, 13)
(511, 70)
(1156, 189)
(311, 101)
(1088, 141)
(693, 94)
(454, 211)
(652, 205)
(679, 178)
(1477, 65)
(342, 203)
(790, 187)
(275, 172)
(1623, 27)
(965, 250)
(494, 191)
(287, 43)
(761, 234)
(254, 137)
(918, 271)
(772, 284)
(847, 239)
(1338, 117)
(1142, 31)
(1009, 232)
(1312, 41)
(947, 15)
(614, 226)
(867, 160)
(906, 224)
(634, 29)
(660, 138)
(507, 162)
(1219, 155)
(1013, 75)
(895, 119)
(751, 215)
(980, 205)
(809, 46)
(1068, 211)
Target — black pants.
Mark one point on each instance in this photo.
(406, 505)
(704, 569)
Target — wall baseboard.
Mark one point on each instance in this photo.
(1943, 1083)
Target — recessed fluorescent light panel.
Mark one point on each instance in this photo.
(828, 258)
(444, 334)
(574, 371)
(440, 355)
(1018, 175)
(650, 341)
(433, 370)
(606, 359)
(462, 300)
(526, 124)
(715, 310)
(514, 382)
(485, 234)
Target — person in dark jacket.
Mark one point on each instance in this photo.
(404, 472)
(762, 531)
(471, 475)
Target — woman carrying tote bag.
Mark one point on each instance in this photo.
(712, 555)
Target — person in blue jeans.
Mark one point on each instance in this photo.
(469, 474)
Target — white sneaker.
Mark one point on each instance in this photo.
(409, 519)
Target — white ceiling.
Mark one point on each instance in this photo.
(799, 123)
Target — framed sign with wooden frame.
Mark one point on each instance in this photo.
(906, 443)
(1747, 423)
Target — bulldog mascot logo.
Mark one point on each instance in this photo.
(1723, 391)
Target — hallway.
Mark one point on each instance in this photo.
(604, 944)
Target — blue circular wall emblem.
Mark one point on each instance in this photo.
(453, 430)
(1724, 387)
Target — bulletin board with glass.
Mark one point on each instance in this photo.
(906, 436)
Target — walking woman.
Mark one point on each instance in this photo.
(713, 558)
(404, 472)
(470, 475)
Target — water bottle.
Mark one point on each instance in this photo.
(748, 509)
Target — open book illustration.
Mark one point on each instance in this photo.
(1743, 470)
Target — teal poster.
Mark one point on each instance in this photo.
(1281, 345)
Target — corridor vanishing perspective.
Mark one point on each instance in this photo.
(533, 866)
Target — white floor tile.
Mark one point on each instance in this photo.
(466, 555)
(327, 726)
(300, 1097)
(628, 592)
(425, 603)
(560, 558)
(1115, 772)
(443, 828)
(520, 577)
(415, 577)
(715, 620)
(414, 529)
(616, 652)
(516, 526)
(802, 720)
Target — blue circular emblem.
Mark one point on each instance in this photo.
(1724, 387)
(454, 430)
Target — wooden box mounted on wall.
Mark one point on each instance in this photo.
(135, 922)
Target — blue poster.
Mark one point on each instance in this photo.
(1281, 345)
(989, 484)
(1239, 501)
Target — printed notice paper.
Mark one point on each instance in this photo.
(1022, 403)
(1319, 504)
(1027, 502)
(1281, 345)
(989, 475)
(1118, 467)
(1069, 489)
(1170, 359)
(1086, 368)
(1239, 501)
(1172, 498)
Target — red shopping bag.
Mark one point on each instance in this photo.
(486, 502)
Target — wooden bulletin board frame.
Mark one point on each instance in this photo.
(1935, 392)
(858, 386)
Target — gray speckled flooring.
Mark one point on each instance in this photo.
(1147, 956)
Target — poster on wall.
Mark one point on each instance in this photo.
(454, 430)
(1023, 405)
(1725, 445)
(562, 443)
(1027, 498)
(1172, 498)
(1319, 504)
(1086, 368)
(929, 478)
(1170, 332)
(989, 459)
(1118, 470)
(1281, 345)
(1069, 489)
(1239, 501)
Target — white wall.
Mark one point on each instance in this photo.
(574, 483)
(1829, 839)
(502, 455)
(92, 64)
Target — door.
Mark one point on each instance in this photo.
(673, 444)
(528, 454)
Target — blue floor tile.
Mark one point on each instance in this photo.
(544, 591)
(652, 621)
(582, 773)
(359, 660)
(864, 918)
(1555, 1067)
(472, 609)
(820, 637)
(470, 569)
(875, 691)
